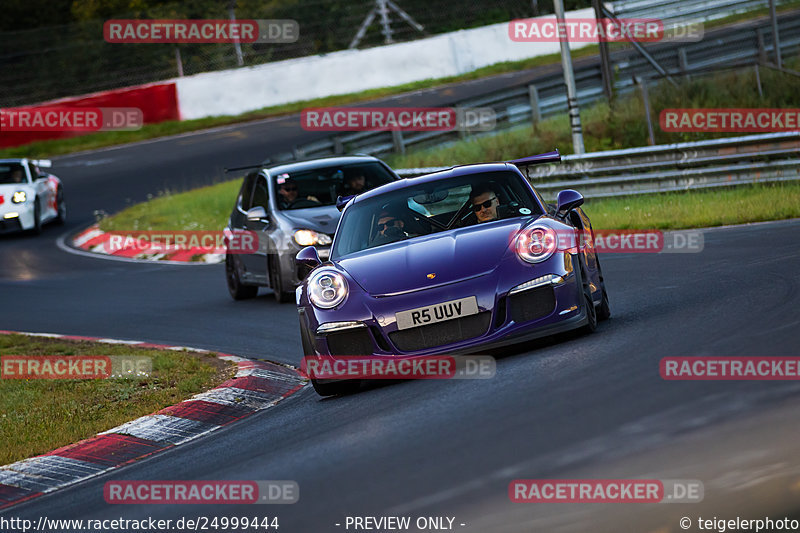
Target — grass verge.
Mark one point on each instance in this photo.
(39, 415)
(208, 208)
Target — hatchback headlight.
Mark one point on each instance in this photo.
(536, 244)
(307, 237)
(327, 289)
(19, 197)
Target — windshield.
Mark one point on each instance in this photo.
(433, 207)
(321, 186)
(12, 173)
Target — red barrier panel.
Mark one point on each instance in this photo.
(158, 102)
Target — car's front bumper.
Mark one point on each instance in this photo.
(504, 317)
(16, 217)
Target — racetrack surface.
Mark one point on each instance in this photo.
(564, 407)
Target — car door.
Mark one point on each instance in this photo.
(256, 263)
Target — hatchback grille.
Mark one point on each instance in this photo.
(441, 333)
(532, 304)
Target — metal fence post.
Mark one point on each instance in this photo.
(762, 49)
(683, 61)
(536, 111)
(399, 143)
(647, 111)
(758, 82)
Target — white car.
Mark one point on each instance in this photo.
(29, 197)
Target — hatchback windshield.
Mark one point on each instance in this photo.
(321, 186)
(12, 173)
(433, 207)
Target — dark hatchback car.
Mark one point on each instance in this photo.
(291, 206)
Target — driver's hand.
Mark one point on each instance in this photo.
(313, 199)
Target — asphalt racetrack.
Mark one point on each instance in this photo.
(568, 407)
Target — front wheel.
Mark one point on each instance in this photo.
(61, 207)
(276, 281)
(604, 311)
(236, 288)
(37, 218)
(335, 388)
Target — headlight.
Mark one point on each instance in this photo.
(536, 244)
(307, 237)
(327, 289)
(19, 197)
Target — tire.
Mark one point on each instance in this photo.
(327, 389)
(236, 288)
(588, 303)
(604, 311)
(61, 207)
(37, 218)
(276, 281)
(336, 388)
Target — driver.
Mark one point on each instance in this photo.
(287, 192)
(389, 229)
(355, 183)
(16, 175)
(484, 203)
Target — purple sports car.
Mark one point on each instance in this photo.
(459, 261)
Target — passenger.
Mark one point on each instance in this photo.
(484, 203)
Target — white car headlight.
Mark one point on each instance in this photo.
(307, 237)
(19, 197)
(327, 289)
(536, 244)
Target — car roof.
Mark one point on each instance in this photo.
(310, 164)
(461, 170)
(13, 160)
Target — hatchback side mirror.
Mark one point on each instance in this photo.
(568, 200)
(257, 214)
(305, 261)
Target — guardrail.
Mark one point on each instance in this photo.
(671, 167)
(546, 97)
(685, 10)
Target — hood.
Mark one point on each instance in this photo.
(321, 219)
(453, 256)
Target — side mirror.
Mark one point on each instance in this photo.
(257, 214)
(568, 200)
(342, 201)
(305, 261)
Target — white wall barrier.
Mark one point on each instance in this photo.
(231, 92)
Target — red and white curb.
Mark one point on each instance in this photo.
(95, 240)
(257, 385)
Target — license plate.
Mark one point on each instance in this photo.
(431, 314)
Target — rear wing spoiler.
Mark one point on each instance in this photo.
(549, 157)
(42, 163)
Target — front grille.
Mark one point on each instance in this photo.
(441, 333)
(350, 342)
(532, 304)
